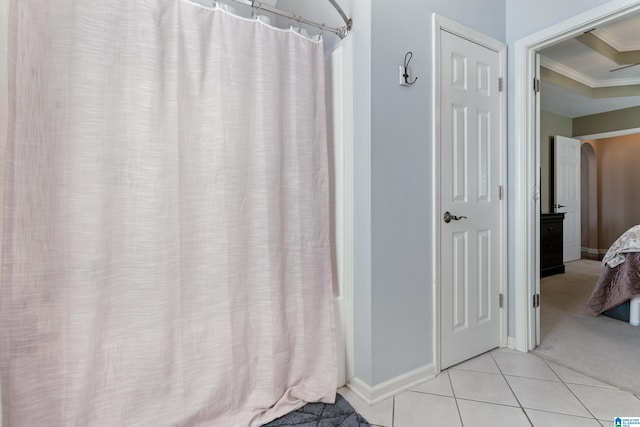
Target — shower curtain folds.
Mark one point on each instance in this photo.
(165, 260)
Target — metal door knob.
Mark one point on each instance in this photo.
(448, 217)
(559, 206)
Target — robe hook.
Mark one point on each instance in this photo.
(406, 69)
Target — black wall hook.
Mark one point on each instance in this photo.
(407, 60)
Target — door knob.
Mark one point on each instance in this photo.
(448, 217)
(559, 206)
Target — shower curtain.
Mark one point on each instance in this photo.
(166, 254)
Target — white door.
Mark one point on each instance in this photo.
(567, 193)
(470, 153)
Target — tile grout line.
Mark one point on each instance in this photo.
(607, 386)
(510, 388)
(562, 413)
(475, 370)
(455, 399)
(428, 394)
(504, 405)
(571, 391)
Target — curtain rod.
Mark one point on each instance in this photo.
(340, 32)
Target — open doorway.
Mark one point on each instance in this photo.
(569, 333)
(527, 162)
(580, 329)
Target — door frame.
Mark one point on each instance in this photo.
(526, 189)
(441, 23)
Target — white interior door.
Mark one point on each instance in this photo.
(469, 190)
(567, 193)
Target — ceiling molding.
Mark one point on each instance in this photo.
(576, 86)
(565, 82)
(605, 49)
(604, 135)
(566, 71)
(614, 41)
(581, 78)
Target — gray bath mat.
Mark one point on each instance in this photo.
(340, 414)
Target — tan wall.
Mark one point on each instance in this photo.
(550, 125)
(617, 173)
(628, 118)
(589, 202)
(618, 180)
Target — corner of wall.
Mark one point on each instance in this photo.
(379, 392)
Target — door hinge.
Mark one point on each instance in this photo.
(536, 85)
(500, 87)
(501, 300)
(536, 301)
(500, 192)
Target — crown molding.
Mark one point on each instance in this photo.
(615, 42)
(581, 78)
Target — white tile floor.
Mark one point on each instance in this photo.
(503, 388)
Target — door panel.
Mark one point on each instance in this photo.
(484, 276)
(460, 283)
(567, 193)
(469, 181)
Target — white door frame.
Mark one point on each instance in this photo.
(526, 149)
(439, 23)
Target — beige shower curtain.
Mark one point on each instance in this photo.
(166, 254)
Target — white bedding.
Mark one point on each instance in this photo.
(628, 242)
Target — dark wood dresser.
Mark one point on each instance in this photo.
(551, 244)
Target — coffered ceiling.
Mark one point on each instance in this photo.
(595, 72)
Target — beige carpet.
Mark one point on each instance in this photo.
(600, 347)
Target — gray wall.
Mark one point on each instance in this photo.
(401, 209)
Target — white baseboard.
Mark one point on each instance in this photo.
(384, 390)
(594, 251)
(511, 343)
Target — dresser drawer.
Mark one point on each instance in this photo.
(551, 260)
(551, 230)
(551, 244)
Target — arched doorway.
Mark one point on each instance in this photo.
(589, 198)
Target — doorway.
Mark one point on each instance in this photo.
(527, 154)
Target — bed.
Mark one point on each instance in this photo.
(620, 279)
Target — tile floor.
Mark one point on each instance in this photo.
(503, 388)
